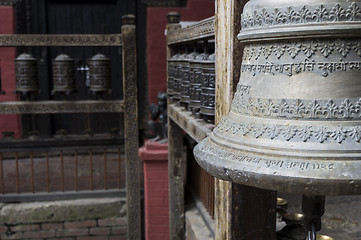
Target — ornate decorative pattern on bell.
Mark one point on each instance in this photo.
(295, 120)
(63, 75)
(26, 72)
(99, 74)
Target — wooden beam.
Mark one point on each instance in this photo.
(76, 40)
(242, 213)
(176, 181)
(46, 107)
(134, 227)
(198, 129)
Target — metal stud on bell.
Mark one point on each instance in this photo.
(26, 72)
(63, 75)
(99, 74)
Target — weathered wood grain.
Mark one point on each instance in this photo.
(198, 129)
(134, 228)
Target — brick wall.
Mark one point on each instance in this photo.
(101, 229)
(95, 219)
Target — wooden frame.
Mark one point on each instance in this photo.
(180, 120)
(241, 212)
(129, 105)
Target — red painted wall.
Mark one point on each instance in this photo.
(156, 40)
(7, 56)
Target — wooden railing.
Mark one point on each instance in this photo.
(127, 106)
(191, 83)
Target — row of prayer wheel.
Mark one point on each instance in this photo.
(191, 79)
(63, 67)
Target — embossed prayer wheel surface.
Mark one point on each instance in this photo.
(196, 82)
(179, 63)
(26, 72)
(63, 75)
(99, 74)
(295, 120)
(208, 88)
(173, 71)
(187, 77)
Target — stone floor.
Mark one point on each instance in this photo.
(342, 218)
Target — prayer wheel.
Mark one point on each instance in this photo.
(63, 75)
(196, 81)
(26, 71)
(208, 88)
(99, 74)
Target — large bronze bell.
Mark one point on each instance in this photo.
(295, 120)
(99, 74)
(26, 71)
(63, 75)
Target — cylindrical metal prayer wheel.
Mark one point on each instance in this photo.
(196, 82)
(172, 71)
(187, 78)
(295, 120)
(63, 75)
(99, 74)
(26, 72)
(208, 88)
(179, 75)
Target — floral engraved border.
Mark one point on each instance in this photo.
(298, 108)
(198, 30)
(339, 134)
(304, 14)
(309, 48)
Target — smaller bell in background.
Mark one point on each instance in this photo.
(99, 74)
(63, 75)
(26, 72)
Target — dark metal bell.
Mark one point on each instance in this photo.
(99, 74)
(63, 75)
(295, 120)
(26, 72)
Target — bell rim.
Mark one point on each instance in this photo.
(273, 178)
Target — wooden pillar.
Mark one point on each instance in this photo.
(134, 229)
(241, 213)
(175, 164)
(176, 182)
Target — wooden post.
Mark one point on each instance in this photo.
(134, 229)
(176, 182)
(242, 213)
(175, 162)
